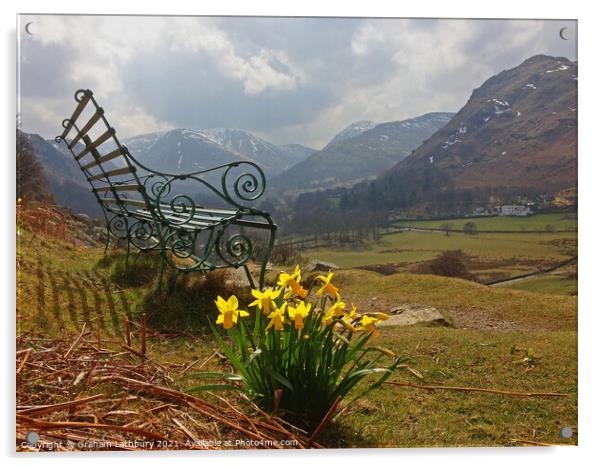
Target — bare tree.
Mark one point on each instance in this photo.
(31, 181)
(446, 227)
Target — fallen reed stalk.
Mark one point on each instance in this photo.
(66, 392)
(476, 389)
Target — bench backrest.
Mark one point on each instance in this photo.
(102, 158)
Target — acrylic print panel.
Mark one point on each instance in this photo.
(264, 232)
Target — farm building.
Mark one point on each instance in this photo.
(515, 210)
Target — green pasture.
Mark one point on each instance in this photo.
(414, 246)
(548, 284)
(539, 222)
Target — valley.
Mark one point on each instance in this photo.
(470, 215)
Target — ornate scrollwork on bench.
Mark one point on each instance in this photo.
(155, 211)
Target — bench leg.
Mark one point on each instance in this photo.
(107, 241)
(127, 256)
(266, 258)
(161, 271)
(249, 276)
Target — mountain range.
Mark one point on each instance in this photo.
(178, 150)
(185, 150)
(517, 131)
(360, 151)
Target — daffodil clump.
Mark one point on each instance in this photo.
(303, 348)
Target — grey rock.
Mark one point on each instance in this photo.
(413, 314)
(321, 266)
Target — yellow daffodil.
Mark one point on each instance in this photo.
(298, 313)
(369, 324)
(328, 287)
(229, 311)
(378, 315)
(263, 300)
(277, 317)
(292, 281)
(349, 318)
(351, 314)
(336, 310)
(348, 325)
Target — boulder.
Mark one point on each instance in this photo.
(321, 266)
(413, 314)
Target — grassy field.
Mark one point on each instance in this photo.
(547, 284)
(539, 222)
(492, 255)
(424, 418)
(62, 286)
(417, 246)
(469, 304)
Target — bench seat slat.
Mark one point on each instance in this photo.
(102, 138)
(199, 214)
(87, 127)
(132, 202)
(76, 113)
(105, 158)
(204, 221)
(147, 215)
(124, 187)
(119, 171)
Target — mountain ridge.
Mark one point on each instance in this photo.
(363, 156)
(524, 116)
(517, 133)
(195, 150)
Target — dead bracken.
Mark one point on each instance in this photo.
(76, 394)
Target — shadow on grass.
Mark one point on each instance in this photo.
(139, 270)
(183, 302)
(336, 435)
(186, 301)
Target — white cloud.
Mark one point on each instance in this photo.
(367, 37)
(256, 72)
(291, 80)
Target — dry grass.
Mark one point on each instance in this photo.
(77, 394)
(411, 417)
(464, 300)
(59, 290)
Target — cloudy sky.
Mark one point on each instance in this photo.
(287, 80)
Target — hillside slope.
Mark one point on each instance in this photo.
(354, 129)
(66, 181)
(518, 129)
(359, 157)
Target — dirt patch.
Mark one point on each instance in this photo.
(479, 320)
(566, 246)
(383, 269)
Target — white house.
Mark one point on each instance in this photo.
(515, 211)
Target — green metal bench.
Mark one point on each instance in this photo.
(155, 211)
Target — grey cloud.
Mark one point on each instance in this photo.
(288, 79)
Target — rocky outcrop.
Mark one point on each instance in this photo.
(414, 314)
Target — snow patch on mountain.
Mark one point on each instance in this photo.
(560, 68)
(351, 131)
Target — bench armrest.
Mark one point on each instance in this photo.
(238, 184)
